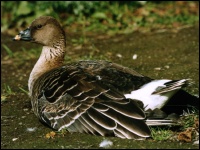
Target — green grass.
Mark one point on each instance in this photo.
(8, 50)
(6, 92)
(20, 56)
(161, 134)
(107, 17)
(79, 41)
(24, 91)
(166, 133)
(188, 120)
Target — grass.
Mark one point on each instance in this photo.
(186, 121)
(20, 56)
(7, 91)
(126, 18)
(108, 17)
(79, 41)
(24, 91)
(161, 134)
(8, 50)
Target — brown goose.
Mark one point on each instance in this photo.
(96, 97)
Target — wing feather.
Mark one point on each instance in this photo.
(81, 98)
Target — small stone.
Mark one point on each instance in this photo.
(167, 67)
(14, 139)
(31, 129)
(196, 142)
(135, 56)
(106, 144)
(158, 68)
(119, 55)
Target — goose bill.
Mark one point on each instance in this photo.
(23, 35)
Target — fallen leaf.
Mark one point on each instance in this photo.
(185, 136)
(50, 135)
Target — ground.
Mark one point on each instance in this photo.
(171, 54)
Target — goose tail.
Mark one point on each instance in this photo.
(173, 85)
(158, 117)
(160, 122)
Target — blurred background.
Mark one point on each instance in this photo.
(106, 16)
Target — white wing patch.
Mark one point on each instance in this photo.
(151, 101)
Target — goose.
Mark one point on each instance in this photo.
(90, 96)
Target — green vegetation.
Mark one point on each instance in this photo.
(105, 16)
(161, 134)
(8, 50)
(188, 120)
(20, 56)
(6, 93)
(23, 90)
(7, 90)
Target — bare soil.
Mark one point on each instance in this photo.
(171, 55)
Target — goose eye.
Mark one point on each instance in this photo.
(39, 26)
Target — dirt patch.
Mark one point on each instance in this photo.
(172, 55)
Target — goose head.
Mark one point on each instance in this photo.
(44, 30)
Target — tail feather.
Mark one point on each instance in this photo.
(158, 117)
(160, 122)
(173, 85)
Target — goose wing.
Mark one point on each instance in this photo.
(121, 78)
(77, 97)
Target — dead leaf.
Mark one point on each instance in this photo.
(50, 135)
(186, 136)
